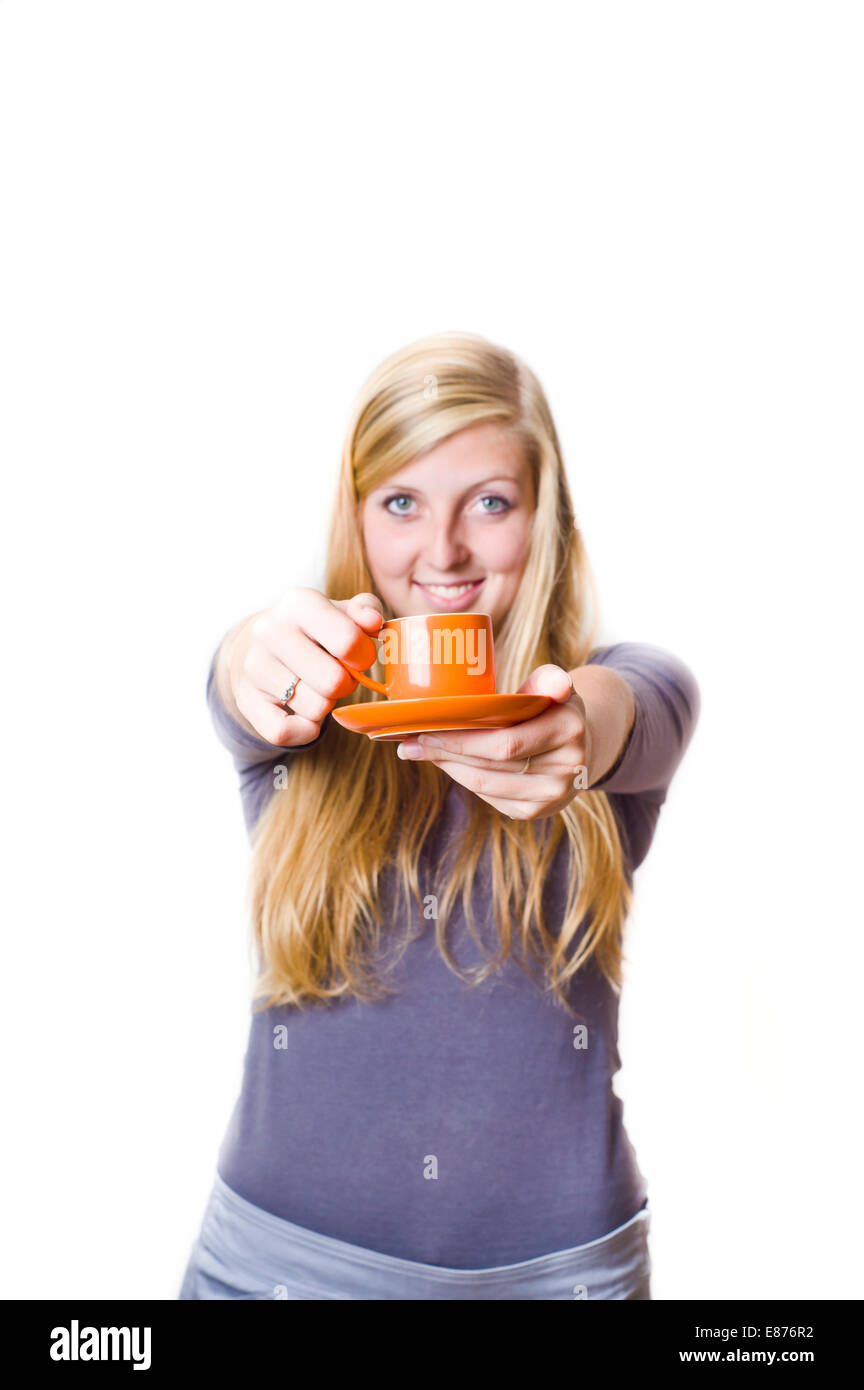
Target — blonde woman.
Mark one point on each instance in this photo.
(427, 1108)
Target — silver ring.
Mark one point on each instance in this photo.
(289, 694)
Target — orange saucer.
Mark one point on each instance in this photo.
(383, 719)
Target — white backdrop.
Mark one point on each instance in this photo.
(217, 218)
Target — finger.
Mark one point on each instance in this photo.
(562, 760)
(518, 787)
(552, 729)
(366, 609)
(493, 746)
(335, 626)
(530, 739)
(300, 655)
(272, 677)
(273, 724)
(520, 810)
(548, 680)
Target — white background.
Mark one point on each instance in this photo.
(217, 218)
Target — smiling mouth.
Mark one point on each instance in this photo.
(449, 590)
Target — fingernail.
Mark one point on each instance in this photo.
(432, 742)
(370, 614)
(409, 750)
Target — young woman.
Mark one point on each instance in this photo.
(427, 1108)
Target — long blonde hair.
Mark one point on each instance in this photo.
(354, 809)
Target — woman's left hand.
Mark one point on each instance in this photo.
(528, 771)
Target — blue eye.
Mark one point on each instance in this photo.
(504, 505)
(397, 497)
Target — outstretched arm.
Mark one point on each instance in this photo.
(619, 723)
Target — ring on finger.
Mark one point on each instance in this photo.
(289, 694)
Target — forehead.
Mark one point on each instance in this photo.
(478, 452)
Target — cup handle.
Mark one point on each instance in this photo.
(363, 679)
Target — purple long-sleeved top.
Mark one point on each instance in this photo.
(335, 1131)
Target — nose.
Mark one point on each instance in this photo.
(445, 550)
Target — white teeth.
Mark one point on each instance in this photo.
(448, 590)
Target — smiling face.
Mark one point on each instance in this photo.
(450, 532)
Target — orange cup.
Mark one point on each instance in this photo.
(429, 655)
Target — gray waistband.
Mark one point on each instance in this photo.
(246, 1252)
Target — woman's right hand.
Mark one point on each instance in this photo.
(300, 636)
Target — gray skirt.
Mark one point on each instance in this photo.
(243, 1251)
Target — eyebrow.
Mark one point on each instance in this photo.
(484, 482)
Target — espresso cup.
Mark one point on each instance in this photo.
(429, 655)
